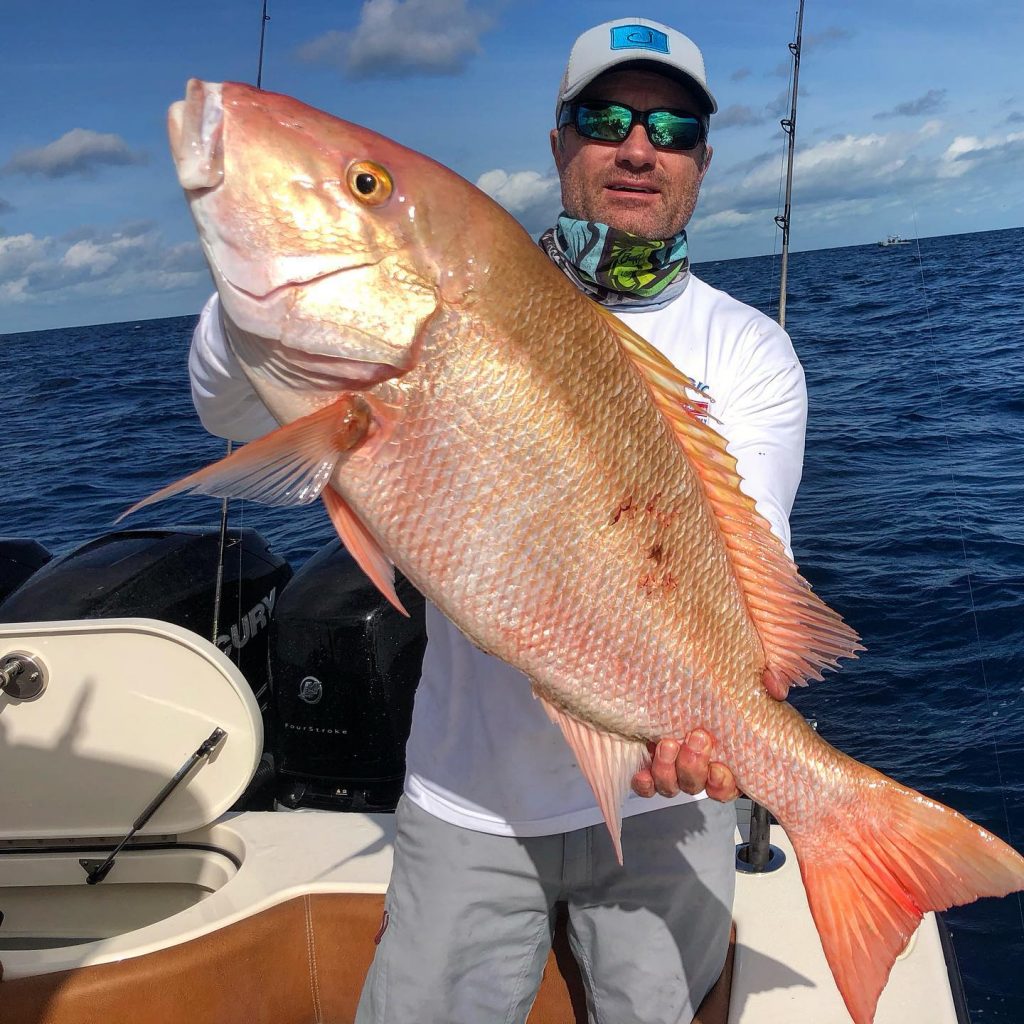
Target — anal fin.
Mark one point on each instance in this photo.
(608, 763)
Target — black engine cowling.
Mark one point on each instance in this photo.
(345, 666)
(19, 559)
(170, 575)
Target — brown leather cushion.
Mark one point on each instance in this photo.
(302, 962)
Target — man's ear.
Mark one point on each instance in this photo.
(557, 145)
(706, 160)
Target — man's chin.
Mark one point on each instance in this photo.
(645, 227)
(642, 215)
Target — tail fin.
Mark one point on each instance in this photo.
(869, 880)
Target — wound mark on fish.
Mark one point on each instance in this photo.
(656, 553)
(650, 583)
(626, 508)
(662, 516)
(629, 509)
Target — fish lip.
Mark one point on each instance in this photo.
(298, 282)
(195, 128)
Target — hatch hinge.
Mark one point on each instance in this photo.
(97, 870)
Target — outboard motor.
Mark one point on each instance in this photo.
(169, 575)
(19, 559)
(344, 666)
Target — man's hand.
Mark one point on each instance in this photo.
(686, 768)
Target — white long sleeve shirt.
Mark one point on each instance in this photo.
(482, 753)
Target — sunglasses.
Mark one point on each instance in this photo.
(612, 122)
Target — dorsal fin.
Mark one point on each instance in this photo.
(799, 633)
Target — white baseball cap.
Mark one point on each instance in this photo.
(635, 41)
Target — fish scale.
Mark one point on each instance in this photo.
(471, 386)
(541, 474)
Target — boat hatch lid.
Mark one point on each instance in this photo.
(127, 702)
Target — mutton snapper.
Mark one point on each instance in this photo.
(537, 470)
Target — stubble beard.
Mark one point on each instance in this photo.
(670, 216)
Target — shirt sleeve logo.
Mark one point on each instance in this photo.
(639, 37)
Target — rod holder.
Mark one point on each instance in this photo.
(758, 856)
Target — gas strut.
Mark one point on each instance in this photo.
(97, 870)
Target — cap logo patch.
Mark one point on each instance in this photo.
(639, 37)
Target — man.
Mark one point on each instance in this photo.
(497, 823)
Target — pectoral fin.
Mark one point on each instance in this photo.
(362, 547)
(289, 466)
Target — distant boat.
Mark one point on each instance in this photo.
(894, 240)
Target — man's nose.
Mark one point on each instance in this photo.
(635, 150)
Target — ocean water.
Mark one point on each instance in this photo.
(908, 518)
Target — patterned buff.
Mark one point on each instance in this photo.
(616, 267)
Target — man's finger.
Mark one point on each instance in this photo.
(721, 783)
(663, 768)
(692, 762)
(643, 783)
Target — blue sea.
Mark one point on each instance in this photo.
(908, 520)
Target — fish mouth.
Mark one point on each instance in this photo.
(310, 367)
(274, 291)
(195, 126)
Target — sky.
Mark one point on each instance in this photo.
(910, 121)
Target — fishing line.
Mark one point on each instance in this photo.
(239, 545)
(218, 588)
(963, 547)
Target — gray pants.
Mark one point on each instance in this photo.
(470, 918)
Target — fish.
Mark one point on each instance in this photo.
(542, 475)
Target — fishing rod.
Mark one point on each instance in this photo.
(263, 35)
(789, 127)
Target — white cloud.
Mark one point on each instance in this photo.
(18, 252)
(850, 178)
(103, 263)
(532, 198)
(89, 257)
(726, 220)
(967, 152)
(77, 152)
(398, 38)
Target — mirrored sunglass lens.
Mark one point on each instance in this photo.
(610, 122)
(672, 131)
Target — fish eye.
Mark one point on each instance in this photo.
(369, 183)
